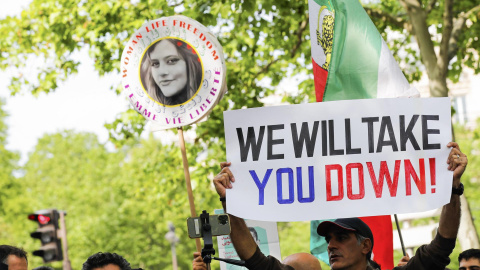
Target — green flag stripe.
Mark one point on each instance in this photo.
(353, 72)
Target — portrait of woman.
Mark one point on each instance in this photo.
(171, 71)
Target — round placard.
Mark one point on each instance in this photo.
(173, 71)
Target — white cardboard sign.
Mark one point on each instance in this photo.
(339, 159)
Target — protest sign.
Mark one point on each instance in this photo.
(173, 71)
(339, 159)
(265, 235)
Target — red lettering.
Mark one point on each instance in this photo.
(214, 54)
(139, 36)
(411, 173)
(328, 169)
(384, 172)
(202, 37)
(182, 24)
(209, 45)
(124, 73)
(431, 162)
(361, 183)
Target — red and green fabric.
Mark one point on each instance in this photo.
(350, 58)
(352, 61)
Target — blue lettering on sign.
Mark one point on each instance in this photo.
(261, 185)
(291, 196)
(290, 185)
(311, 186)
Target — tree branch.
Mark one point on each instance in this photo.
(458, 26)
(397, 21)
(418, 18)
(301, 30)
(430, 6)
(446, 34)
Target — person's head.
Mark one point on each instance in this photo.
(469, 259)
(171, 71)
(254, 234)
(43, 268)
(106, 261)
(303, 261)
(15, 258)
(350, 242)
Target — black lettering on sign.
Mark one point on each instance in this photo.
(255, 144)
(304, 138)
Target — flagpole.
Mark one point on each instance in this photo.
(187, 181)
(400, 235)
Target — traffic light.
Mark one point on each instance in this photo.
(47, 232)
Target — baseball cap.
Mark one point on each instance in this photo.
(349, 224)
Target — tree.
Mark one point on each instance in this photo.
(10, 187)
(446, 35)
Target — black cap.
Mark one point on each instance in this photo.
(349, 224)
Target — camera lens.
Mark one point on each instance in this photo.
(223, 219)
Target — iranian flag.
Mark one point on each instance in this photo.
(352, 61)
(350, 58)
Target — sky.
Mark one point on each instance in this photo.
(83, 103)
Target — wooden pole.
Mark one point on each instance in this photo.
(193, 213)
(63, 232)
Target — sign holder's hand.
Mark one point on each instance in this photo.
(224, 179)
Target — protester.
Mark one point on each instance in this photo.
(404, 260)
(198, 263)
(350, 241)
(13, 258)
(469, 259)
(106, 261)
(43, 268)
(296, 261)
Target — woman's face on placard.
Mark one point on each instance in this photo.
(169, 69)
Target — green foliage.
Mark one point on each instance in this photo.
(469, 140)
(392, 21)
(115, 201)
(10, 188)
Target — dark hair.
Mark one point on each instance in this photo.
(372, 263)
(469, 253)
(6, 250)
(194, 73)
(101, 259)
(360, 239)
(43, 268)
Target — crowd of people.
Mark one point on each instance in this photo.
(350, 240)
(14, 258)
